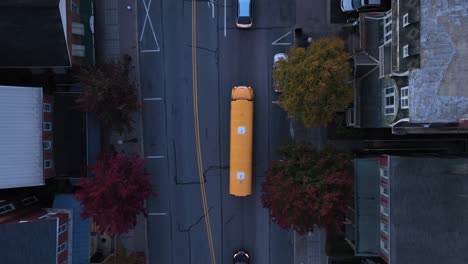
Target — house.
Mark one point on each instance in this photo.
(410, 209)
(56, 37)
(44, 136)
(64, 236)
(81, 228)
(26, 137)
(410, 69)
(88, 246)
(31, 234)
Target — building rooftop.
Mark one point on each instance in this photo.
(367, 85)
(21, 154)
(428, 210)
(81, 228)
(366, 204)
(438, 89)
(33, 34)
(29, 243)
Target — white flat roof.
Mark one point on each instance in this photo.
(21, 153)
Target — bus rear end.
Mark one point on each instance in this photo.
(240, 169)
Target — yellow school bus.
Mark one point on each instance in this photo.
(240, 169)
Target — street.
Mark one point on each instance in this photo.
(226, 56)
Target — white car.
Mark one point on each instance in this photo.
(244, 14)
(276, 58)
(356, 5)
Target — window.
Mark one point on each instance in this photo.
(47, 164)
(387, 20)
(350, 117)
(6, 208)
(381, 61)
(75, 7)
(78, 50)
(387, 26)
(405, 51)
(47, 126)
(389, 90)
(389, 100)
(384, 209)
(383, 173)
(62, 247)
(405, 20)
(384, 245)
(29, 200)
(384, 226)
(384, 190)
(47, 107)
(62, 228)
(46, 144)
(404, 97)
(78, 29)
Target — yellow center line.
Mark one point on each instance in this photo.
(197, 132)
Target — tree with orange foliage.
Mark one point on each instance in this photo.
(315, 82)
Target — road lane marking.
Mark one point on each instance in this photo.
(148, 19)
(157, 214)
(152, 99)
(291, 129)
(224, 18)
(197, 133)
(212, 4)
(276, 42)
(151, 50)
(155, 157)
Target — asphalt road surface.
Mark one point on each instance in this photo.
(226, 57)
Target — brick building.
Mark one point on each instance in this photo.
(31, 234)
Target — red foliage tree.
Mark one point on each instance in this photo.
(108, 92)
(116, 195)
(308, 188)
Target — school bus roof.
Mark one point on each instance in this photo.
(242, 93)
(240, 169)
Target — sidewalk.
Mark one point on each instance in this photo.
(314, 19)
(117, 35)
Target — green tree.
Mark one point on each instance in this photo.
(108, 93)
(314, 82)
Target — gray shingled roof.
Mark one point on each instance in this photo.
(368, 90)
(32, 34)
(438, 89)
(29, 243)
(428, 210)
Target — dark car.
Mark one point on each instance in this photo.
(244, 14)
(241, 257)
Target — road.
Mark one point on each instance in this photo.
(226, 57)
